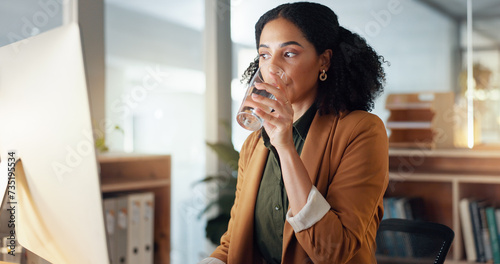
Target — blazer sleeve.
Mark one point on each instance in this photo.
(354, 191)
(221, 252)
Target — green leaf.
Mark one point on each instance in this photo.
(226, 153)
(225, 150)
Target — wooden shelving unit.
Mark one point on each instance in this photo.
(442, 178)
(420, 120)
(125, 173)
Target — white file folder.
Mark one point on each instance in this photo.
(121, 231)
(131, 228)
(110, 215)
(147, 227)
(134, 231)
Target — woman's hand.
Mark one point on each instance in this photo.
(279, 127)
(278, 123)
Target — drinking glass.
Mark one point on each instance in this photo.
(246, 116)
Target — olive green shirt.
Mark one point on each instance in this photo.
(272, 201)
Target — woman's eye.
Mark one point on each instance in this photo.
(264, 56)
(290, 54)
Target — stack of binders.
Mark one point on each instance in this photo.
(130, 227)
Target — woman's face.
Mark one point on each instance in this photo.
(284, 45)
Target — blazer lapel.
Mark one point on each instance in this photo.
(315, 144)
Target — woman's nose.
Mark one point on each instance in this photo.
(275, 61)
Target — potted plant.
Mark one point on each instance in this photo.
(225, 186)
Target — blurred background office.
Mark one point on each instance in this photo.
(167, 71)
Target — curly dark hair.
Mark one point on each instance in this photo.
(355, 77)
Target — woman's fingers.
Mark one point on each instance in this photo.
(268, 116)
(258, 102)
(267, 102)
(277, 123)
(279, 93)
(281, 116)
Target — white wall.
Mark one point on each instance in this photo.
(138, 36)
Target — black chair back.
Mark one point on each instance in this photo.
(411, 241)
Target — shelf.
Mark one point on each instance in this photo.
(124, 157)
(122, 185)
(408, 106)
(414, 145)
(133, 172)
(412, 138)
(447, 161)
(421, 117)
(125, 166)
(451, 153)
(442, 177)
(409, 125)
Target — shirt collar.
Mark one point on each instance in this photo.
(303, 124)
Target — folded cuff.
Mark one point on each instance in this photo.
(315, 208)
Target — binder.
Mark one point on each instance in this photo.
(492, 228)
(134, 233)
(467, 231)
(477, 231)
(485, 233)
(131, 230)
(110, 214)
(147, 228)
(121, 231)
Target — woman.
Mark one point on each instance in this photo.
(311, 183)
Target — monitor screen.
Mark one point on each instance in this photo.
(45, 123)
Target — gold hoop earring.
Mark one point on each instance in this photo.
(323, 76)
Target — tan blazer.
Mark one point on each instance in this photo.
(346, 157)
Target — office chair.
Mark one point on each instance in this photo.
(411, 241)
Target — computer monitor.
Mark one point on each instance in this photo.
(45, 120)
